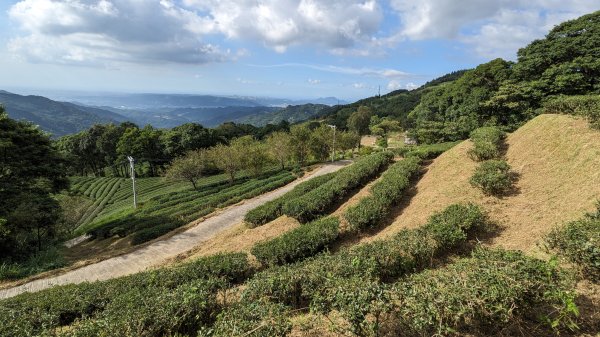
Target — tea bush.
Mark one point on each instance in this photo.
(425, 151)
(299, 243)
(493, 177)
(154, 312)
(406, 252)
(316, 202)
(581, 105)
(479, 295)
(487, 143)
(272, 209)
(579, 242)
(260, 318)
(490, 290)
(41, 312)
(164, 213)
(388, 190)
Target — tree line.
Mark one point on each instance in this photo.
(102, 150)
(301, 145)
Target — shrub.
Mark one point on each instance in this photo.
(302, 242)
(583, 105)
(579, 242)
(493, 177)
(369, 211)
(451, 226)
(487, 143)
(316, 202)
(259, 318)
(478, 295)
(272, 209)
(154, 232)
(41, 312)
(366, 213)
(490, 290)
(406, 252)
(155, 312)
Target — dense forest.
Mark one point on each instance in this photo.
(504, 93)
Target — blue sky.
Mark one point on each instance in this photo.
(277, 48)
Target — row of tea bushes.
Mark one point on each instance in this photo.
(480, 295)
(579, 242)
(152, 220)
(273, 209)
(493, 176)
(299, 243)
(425, 151)
(390, 187)
(406, 252)
(578, 105)
(318, 201)
(102, 307)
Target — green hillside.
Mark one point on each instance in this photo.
(58, 118)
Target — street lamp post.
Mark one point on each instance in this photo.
(333, 152)
(132, 168)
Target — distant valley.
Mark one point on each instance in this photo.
(78, 112)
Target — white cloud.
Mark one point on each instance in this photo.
(492, 28)
(394, 85)
(359, 85)
(313, 81)
(411, 86)
(280, 24)
(92, 32)
(362, 71)
(104, 32)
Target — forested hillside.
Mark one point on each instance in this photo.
(58, 118)
(504, 93)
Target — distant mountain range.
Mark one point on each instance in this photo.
(58, 118)
(159, 110)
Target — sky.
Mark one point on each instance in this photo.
(349, 49)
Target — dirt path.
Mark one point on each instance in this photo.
(160, 251)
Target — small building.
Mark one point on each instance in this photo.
(409, 141)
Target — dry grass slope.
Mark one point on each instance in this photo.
(558, 159)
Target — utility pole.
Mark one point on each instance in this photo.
(132, 169)
(333, 152)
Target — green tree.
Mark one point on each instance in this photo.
(451, 111)
(228, 158)
(359, 120)
(300, 135)
(144, 145)
(31, 169)
(321, 142)
(279, 145)
(255, 156)
(347, 141)
(186, 137)
(189, 167)
(566, 61)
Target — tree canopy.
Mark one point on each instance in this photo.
(31, 169)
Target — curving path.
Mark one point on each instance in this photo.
(156, 253)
